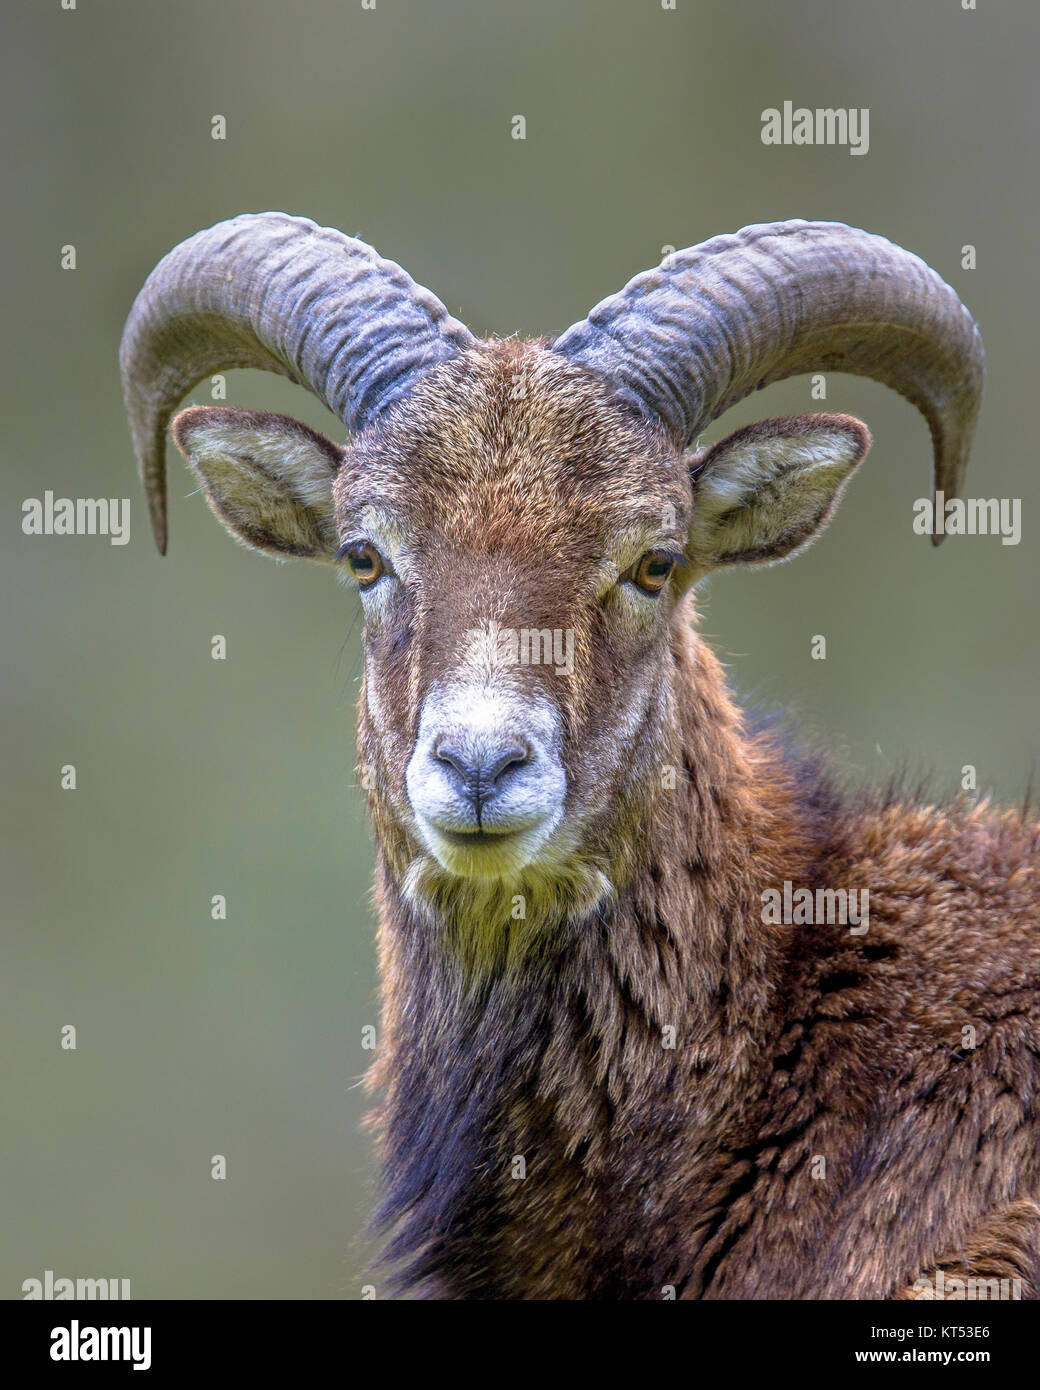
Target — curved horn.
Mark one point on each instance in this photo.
(713, 323)
(280, 293)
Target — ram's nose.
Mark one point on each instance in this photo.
(485, 780)
(481, 766)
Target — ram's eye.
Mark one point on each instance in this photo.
(652, 572)
(364, 561)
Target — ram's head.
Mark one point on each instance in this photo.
(523, 520)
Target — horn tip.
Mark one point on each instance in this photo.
(157, 516)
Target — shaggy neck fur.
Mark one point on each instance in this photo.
(604, 1034)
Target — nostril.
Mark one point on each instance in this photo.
(511, 755)
(445, 753)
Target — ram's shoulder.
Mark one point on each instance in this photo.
(922, 927)
(957, 889)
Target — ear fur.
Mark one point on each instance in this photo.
(765, 492)
(267, 478)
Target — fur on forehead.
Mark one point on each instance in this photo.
(510, 429)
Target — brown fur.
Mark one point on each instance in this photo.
(694, 1167)
(649, 1167)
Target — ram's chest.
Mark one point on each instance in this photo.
(659, 1209)
(543, 1218)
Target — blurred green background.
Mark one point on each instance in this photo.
(198, 777)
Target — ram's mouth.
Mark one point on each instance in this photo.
(474, 839)
(486, 852)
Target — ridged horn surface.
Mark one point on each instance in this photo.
(711, 324)
(276, 292)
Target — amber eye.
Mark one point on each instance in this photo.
(364, 560)
(652, 572)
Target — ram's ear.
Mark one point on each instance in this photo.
(267, 477)
(764, 493)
